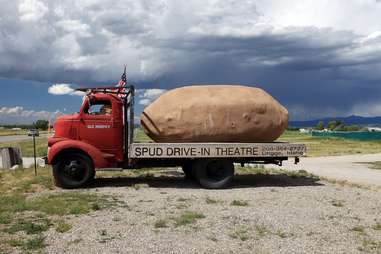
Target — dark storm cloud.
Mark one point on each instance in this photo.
(168, 43)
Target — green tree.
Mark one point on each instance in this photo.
(320, 126)
(41, 124)
(334, 124)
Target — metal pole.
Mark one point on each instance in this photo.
(34, 154)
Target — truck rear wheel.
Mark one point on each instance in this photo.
(214, 173)
(73, 170)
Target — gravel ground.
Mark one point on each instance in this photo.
(350, 168)
(277, 214)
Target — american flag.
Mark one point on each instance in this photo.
(122, 83)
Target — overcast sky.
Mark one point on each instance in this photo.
(318, 58)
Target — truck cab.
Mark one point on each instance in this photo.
(91, 138)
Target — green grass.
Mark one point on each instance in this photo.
(359, 229)
(29, 226)
(161, 223)
(319, 146)
(34, 243)
(188, 217)
(140, 136)
(26, 146)
(239, 203)
(377, 226)
(337, 203)
(240, 233)
(33, 214)
(373, 164)
(261, 230)
(62, 226)
(210, 201)
(10, 132)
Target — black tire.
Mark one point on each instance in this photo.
(188, 171)
(214, 173)
(73, 170)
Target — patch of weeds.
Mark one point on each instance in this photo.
(13, 203)
(240, 233)
(34, 243)
(63, 227)
(70, 203)
(239, 203)
(261, 230)
(182, 206)
(145, 201)
(345, 183)
(5, 218)
(377, 226)
(359, 229)
(301, 174)
(183, 199)
(337, 203)
(31, 185)
(29, 226)
(372, 165)
(161, 223)
(188, 217)
(372, 245)
(209, 201)
(75, 241)
(281, 234)
(16, 242)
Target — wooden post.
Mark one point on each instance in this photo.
(34, 154)
(10, 156)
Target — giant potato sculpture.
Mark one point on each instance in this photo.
(214, 113)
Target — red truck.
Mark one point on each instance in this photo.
(101, 137)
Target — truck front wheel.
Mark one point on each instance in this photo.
(214, 173)
(73, 170)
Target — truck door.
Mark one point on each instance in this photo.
(99, 127)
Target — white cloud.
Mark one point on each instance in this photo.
(19, 111)
(147, 96)
(32, 10)
(144, 102)
(63, 89)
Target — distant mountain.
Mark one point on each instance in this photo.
(359, 120)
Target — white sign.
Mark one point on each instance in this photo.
(215, 150)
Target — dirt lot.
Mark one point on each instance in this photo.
(156, 212)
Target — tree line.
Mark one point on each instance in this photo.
(39, 124)
(336, 125)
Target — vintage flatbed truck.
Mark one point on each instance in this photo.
(101, 137)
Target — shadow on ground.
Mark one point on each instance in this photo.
(174, 179)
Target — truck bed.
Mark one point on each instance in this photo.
(215, 150)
